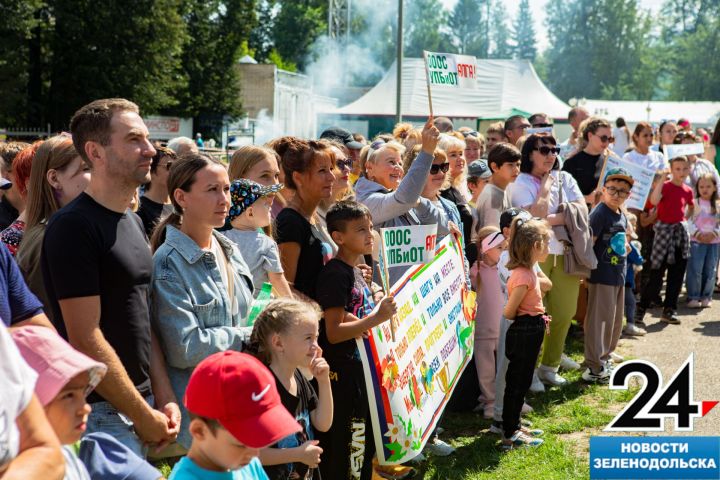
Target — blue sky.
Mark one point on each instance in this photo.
(538, 7)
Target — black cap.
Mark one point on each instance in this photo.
(509, 215)
(343, 136)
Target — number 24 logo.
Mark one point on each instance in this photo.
(648, 409)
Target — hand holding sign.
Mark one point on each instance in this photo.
(386, 309)
(430, 137)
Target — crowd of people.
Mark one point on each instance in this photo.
(131, 273)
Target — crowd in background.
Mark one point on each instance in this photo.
(129, 271)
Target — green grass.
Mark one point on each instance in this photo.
(569, 415)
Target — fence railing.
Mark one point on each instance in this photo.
(26, 131)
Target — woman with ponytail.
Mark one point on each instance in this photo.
(201, 287)
(304, 248)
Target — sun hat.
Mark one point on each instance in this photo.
(55, 361)
(244, 192)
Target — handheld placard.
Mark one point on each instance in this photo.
(427, 80)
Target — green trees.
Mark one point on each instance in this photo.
(468, 24)
(20, 22)
(599, 49)
(426, 22)
(101, 52)
(523, 33)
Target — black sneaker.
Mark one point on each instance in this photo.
(639, 316)
(670, 316)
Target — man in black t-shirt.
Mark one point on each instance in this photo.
(97, 268)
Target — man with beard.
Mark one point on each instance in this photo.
(97, 267)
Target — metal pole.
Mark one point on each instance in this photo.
(398, 81)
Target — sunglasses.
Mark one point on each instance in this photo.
(620, 192)
(545, 150)
(442, 167)
(542, 125)
(344, 163)
(606, 139)
(470, 134)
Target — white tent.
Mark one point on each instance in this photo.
(699, 113)
(504, 87)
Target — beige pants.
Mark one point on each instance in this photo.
(603, 323)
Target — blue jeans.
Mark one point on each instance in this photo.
(104, 417)
(702, 266)
(630, 304)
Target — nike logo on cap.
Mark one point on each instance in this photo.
(256, 397)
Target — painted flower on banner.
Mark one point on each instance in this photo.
(390, 372)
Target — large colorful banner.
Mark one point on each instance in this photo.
(643, 181)
(410, 380)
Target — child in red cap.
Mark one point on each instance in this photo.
(236, 410)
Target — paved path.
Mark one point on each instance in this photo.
(668, 346)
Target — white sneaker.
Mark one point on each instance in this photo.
(439, 448)
(633, 330)
(549, 375)
(616, 358)
(694, 304)
(567, 363)
(602, 377)
(706, 302)
(536, 386)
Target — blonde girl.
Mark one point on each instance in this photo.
(285, 337)
(490, 245)
(704, 229)
(529, 245)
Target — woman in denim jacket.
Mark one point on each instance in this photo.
(202, 289)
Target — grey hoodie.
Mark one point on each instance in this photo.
(403, 206)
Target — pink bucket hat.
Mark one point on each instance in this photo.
(55, 361)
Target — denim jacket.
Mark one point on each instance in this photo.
(190, 307)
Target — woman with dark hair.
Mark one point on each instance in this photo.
(308, 166)
(540, 189)
(201, 287)
(621, 133)
(155, 203)
(586, 165)
(641, 154)
(714, 152)
(58, 175)
(667, 131)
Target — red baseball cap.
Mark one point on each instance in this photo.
(238, 391)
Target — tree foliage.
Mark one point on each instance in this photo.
(500, 32)
(468, 24)
(600, 50)
(426, 28)
(103, 52)
(20, 18)
(216, 33)
(523, 33)
(298, 24)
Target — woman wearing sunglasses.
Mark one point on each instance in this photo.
(586, 164)
(393, 195)
(537, 190)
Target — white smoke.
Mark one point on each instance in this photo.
(335, 63)
(266, 128)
